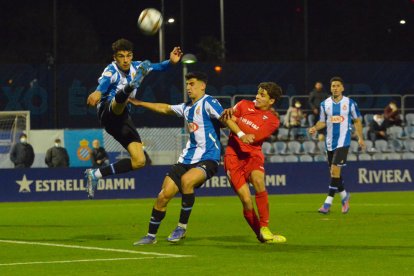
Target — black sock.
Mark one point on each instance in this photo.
(121, 166)
(341, 185)
(333, 188)
(155, 221)
(122, 95)
(187, 202)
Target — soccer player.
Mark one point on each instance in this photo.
(199, 159)
(336, 114)
(251, 123)
(118, 82)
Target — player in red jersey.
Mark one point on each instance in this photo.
(251, 123)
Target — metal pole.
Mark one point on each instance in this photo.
(305, 42)
(185, 96)
(161, 34)
(223, 54)
(55, 56)
(182, 24)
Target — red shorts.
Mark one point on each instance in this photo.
(238, 170)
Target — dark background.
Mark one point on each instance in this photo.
(260, 30)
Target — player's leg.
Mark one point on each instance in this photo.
(339, 161)
(120, 100)
(168, 191)
(235, 172)
(325, 208)
(124, 131)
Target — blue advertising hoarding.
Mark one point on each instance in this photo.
(289, 178)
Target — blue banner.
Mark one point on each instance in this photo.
(78, 143)
(68, 184)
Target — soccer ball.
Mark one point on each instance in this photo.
(149, 21)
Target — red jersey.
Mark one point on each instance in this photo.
(261, 123)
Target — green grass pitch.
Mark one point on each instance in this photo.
(94, 237)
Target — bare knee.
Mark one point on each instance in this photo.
(246, 202)
(137, 163)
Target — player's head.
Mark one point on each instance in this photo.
(318, 86)
(267, 94)
(123, 55)
(196, 83)
(57, 142)
(337, 87)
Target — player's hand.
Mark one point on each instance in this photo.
(312, 130)
(227, 114)
(247, 138)
(134, 101)
(93, 98)
(176, 55)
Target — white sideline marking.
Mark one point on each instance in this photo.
(79, 261)
(97, 248)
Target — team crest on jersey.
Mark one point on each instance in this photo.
(107, 74)
(192, 127)
(337, 119)
(344, 107)
(198, 110)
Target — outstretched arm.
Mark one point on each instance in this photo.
(94, 98)
(229, 120)
(161, 108)
(176, 55)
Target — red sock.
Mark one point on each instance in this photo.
(252, 220)
(262, 202)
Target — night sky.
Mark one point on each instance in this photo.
(260, 30)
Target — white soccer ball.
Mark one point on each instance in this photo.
(149, 21)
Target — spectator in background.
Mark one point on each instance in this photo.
(22, 153)
(99, 157)
(316, 96)
(392, 115)
(293, 118)
(377, 128)
(57, 156)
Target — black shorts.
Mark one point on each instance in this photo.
(338, 156)
(177, 170)
(120, 127)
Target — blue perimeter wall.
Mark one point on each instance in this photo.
(287, 178)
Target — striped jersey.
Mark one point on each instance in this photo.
(113, 79)
(204, 128)
(338, 118)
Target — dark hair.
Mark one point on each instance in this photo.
(122, 45)
(57, 140)
(197, 75)
(273, 90)
(337, 79)
(23, 135)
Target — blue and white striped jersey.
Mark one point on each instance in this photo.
(204, 128)
(338, 118)
(113, 79)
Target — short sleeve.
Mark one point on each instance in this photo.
(178, 109)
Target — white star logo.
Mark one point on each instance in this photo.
(24, 185)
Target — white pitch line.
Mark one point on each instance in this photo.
(80, 261)
(97, 248)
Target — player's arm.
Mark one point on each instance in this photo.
(161, 108)
(319, 125)
(230, 122)
(358, 131)
(94, 98)
(175, 57)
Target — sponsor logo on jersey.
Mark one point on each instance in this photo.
(192, 127)
(265, 117)
(337, 119)
(107, 74)
(249, 123)
(251, 109)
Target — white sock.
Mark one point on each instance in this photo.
(97, 173)
(343, 194)
(329, 200)
(182, 225)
